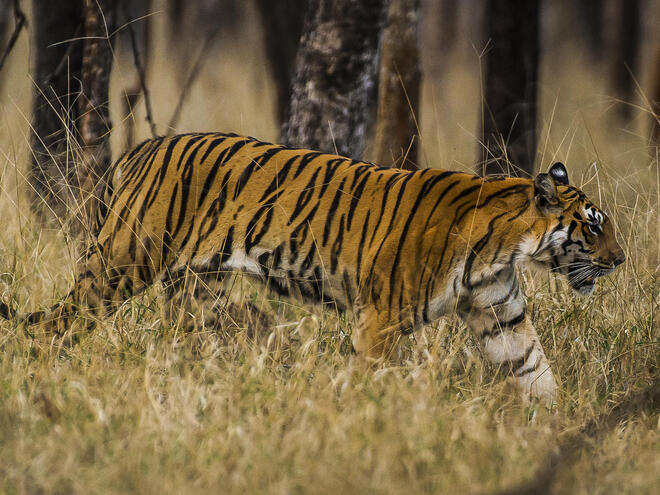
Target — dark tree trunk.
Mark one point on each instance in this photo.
(70, 117)
(655, 116)
(282, 28)
(94, 125)
(399, 85)
(626, 54)
(334, 85)
(590, 23)
(57, 75)
(509, 107)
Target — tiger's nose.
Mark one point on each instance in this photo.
(619, 258)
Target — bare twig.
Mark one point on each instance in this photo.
(143, 83)
(20, 21)
(194, 72)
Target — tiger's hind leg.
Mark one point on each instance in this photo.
(100, 287)
(197, 299)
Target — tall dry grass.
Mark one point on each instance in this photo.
(141, 407)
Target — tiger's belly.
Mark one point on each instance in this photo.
(307, 283)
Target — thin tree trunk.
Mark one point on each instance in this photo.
(626, 54)
(334, 86)
(94, 125)
(139, 39)
(282, 28)
(509, 112)
(57, 74)
(655, 116)
(397, 133)
(591, 16)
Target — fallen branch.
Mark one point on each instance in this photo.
(19, 23)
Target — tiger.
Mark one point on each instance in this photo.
(396, 248)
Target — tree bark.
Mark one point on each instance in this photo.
(57, 74)
(511, 72)
(397, 132)
(95, 125)
(70, 115)
(334, 85)
(282, 28)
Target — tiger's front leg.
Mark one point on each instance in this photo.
(509, 339)
(375, 336)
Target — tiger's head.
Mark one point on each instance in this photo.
(579, 240)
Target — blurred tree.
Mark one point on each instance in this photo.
(591, 16)
(57, 75)
(399, 86)
(655, 95)
(134, 15)
(334, 85)
(70, 121)
(625, 65)
(282, 27)
(511, 72)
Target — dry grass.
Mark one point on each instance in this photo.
(137, 407)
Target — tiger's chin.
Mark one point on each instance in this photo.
(585, 288)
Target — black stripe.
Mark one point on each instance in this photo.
(335, 251)
(305, 160)
(464, 193)
(332, 210)
(500, 327)
(477, 248)
(365, 227)
(357, 194)
(305, 197)
(279, 178)
(212, 145)
(331, 168)
(255, 164)
(388, 186)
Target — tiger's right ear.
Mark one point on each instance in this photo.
(545, 194)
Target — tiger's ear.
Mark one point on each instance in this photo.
(545, 194)
(559, 174)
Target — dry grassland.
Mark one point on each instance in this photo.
(139, 407)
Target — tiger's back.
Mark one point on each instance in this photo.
(308, 223)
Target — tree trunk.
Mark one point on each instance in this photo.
(591, 16)
(397, 132)
(95, 125)
(57, 75)
(334, 85)
(626, 54)
(509, 107)
(655, 116)
(282, 28)
(70, 119)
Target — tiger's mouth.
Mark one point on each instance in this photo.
(582, 276)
